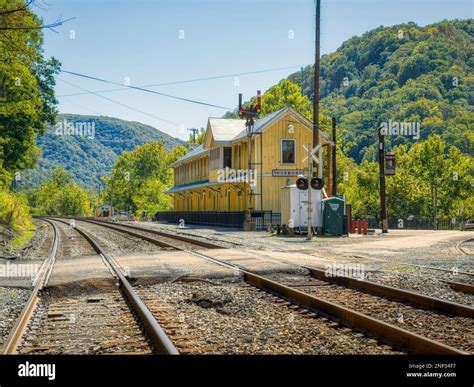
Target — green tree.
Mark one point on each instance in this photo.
(60, 195)
(74, 201)
(136, 171)
(27, 99)
(286, 93)
(150, 198)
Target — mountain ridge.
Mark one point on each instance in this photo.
(88, 145)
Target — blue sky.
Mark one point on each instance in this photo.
(142, 42)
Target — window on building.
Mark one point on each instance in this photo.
(288, 151)
(227, 157)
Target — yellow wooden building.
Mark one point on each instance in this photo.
(216, 176)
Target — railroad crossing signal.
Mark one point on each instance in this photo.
(315, 183)
(302, 183)
(312, 153)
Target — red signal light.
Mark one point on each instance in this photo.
(317, 183)
(302, 183)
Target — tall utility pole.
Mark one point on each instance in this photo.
(317, 170)
(334, 177)
(383, 199)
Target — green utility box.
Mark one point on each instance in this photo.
(332, 210)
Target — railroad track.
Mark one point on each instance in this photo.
(115, 321)
(461, 287)
(13, 340)
(459, 247)
(353, 315)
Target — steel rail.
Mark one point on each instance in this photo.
(396, 294)
(426, 267)
(461, 287)
(460, 249)
(370, 326)
(14, 338)
(152, 327)
(386, 332)
(390, 292)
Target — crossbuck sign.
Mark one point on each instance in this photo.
(312, 153)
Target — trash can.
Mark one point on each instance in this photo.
(332, 210)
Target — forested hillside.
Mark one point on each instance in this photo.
(90, 153)
(403, 73)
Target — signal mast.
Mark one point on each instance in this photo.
(249, 114)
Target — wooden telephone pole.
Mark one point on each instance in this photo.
(317, 64)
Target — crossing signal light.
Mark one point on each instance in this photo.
(259, 103)
(317, 183)
(302, 183)
(241, 109)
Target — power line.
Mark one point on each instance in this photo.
(119, 103)
(189, 80)
(145, 90)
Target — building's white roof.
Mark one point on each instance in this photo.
(225, 129)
